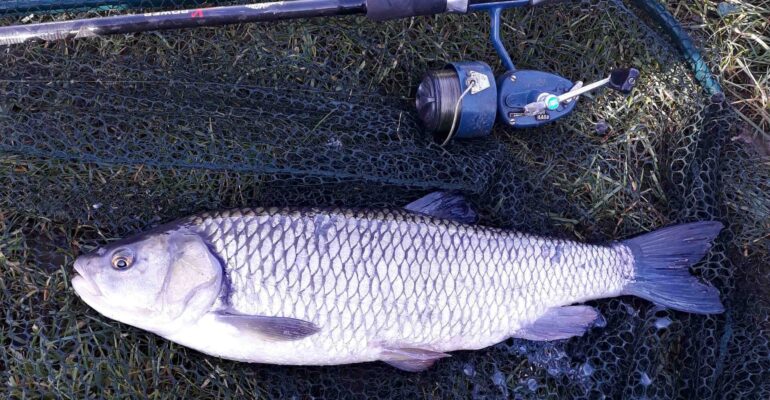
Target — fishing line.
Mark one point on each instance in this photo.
(471, 85)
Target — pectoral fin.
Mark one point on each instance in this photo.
(560, 323)
(269, 328)
(411, 360)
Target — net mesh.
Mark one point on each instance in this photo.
(104, 138)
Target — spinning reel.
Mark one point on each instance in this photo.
(464, 99)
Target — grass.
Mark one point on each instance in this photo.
(736, 38)
(564, 179)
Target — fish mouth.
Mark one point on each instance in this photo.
(84, 286)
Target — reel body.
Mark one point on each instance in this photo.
(464, 99)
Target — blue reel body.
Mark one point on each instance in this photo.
(464, 99)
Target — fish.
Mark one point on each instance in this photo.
(330, 286)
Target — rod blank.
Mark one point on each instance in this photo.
(215, 16)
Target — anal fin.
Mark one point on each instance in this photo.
(560, 323)
(411, 359)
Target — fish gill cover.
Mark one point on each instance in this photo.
(104, 138)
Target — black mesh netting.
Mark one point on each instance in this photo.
(104, 138)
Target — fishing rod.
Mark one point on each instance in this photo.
(463, 100)
(378, 10)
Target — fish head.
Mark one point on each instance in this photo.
(159, 281)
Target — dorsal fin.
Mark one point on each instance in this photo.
(444, 205)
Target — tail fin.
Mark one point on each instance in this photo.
(661, 261)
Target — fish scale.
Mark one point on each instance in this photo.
(424, 279)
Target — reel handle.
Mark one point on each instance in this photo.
(623, 79)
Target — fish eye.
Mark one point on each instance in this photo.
(122, 259)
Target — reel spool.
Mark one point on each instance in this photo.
(459, 101)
